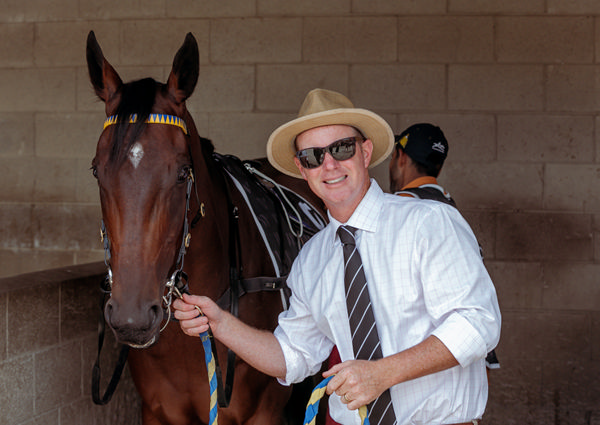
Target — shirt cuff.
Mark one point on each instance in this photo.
(292, 360)
(462, 339)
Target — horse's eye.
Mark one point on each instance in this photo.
(94, 171)
(184, 173)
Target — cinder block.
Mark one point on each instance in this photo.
(496, 87)
(155, 42)
(3, 327)
(595, 315)
(396, 88)
(228, 88)
(15, 230)
(46, 89)
(445, 39)
(55, 180)
(483, 224)
(122, 9)
(499, 185)
(16, 45)
(37, 260)
(283, 87)
(67, 135)
(517, 384)
(573, 7)
(303, 8)
(545, 39)
(17, 179)
(545, 138)
(79, 307)
(26, 332)
(65, 226)
(39, 11)
(272, 40)
(571, 286)
(518, 285)
(17, 134)
(58, 367)
(392, 7)
(471, 137)
(496, 7)
(248, 137)
(572, 187)
(55, 41)
(86, 186)
(18, 376)
(210, 9)
(544, 236)
(571, 385)
(545, 336)
(90, 256)
(572, 88)
(355, 40)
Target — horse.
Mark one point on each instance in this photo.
(165, 199)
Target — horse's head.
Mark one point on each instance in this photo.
(144, 170)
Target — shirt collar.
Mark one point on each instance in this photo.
(420, 181)
(366, 214)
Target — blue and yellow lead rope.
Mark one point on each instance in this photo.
(312, 408)
(212, 377)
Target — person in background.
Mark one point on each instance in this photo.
(417, 160)
(395, 285)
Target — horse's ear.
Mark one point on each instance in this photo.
(186, 67)
(103, 76)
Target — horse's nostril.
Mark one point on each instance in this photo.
(155, 313)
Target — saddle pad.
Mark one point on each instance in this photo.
(283, 229)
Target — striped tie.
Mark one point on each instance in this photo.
(365, 339)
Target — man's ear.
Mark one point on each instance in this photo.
(367, 149)
(300, 168)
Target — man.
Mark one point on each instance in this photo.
(417, 160)
(432, 307)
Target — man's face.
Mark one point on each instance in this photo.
(340, 184)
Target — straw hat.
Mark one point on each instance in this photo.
(325, 107)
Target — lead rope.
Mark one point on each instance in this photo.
(312, 408)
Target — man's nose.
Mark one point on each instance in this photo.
(329, 161)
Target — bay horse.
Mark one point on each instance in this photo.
(156, 179)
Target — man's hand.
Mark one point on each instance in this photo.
(357, 382)
(195, 314)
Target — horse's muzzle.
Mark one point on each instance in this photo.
(138, 328)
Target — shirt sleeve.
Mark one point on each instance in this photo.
(459, 294)
(304, 346)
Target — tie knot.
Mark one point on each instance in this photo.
(346, 234)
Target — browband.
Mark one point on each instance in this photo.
(152, 119)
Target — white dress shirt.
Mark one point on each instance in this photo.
(425, 277)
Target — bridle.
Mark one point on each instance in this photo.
(177, 283)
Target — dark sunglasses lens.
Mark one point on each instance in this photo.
(343, 149)
(311, 157)
(340, 150)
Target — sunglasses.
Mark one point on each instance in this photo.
(340, 150)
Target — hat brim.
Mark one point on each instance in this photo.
(280, 146)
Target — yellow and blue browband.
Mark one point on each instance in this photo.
(152, 119)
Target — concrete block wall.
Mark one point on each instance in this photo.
(515, 86)
(48, 344)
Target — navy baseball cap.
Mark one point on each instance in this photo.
(425, 144)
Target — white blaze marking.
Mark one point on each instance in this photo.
(136, 154)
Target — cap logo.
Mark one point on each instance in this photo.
(403, 141)
(438, 146)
